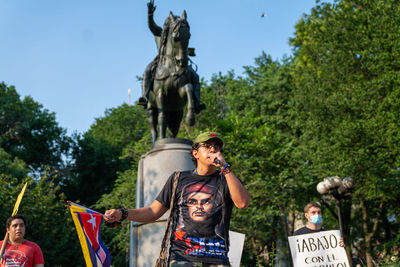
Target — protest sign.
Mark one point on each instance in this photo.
(318, 250)
(235, 248)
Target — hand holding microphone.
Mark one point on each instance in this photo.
(217, 161)
(220, 162)
(225, 168)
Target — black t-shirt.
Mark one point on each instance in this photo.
(304, 230)
(203, 211)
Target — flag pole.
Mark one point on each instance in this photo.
(15, 210)
(3, 246)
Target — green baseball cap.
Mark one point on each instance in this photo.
(206, 136)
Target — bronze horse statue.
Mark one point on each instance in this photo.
(173, 83)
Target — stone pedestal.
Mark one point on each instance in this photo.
(167, 155)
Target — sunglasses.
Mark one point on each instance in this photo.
(208, 146)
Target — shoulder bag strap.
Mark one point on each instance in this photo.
(162, 259)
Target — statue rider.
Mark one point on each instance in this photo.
(148, 76)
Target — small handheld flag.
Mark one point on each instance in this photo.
(88, 224)
(19, 198)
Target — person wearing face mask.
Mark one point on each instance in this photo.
(313, 214)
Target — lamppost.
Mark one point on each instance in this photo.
(339, 189)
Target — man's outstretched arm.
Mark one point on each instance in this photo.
(143, 215)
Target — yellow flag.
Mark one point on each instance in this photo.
(19, 198)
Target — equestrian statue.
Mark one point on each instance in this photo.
(169, 82)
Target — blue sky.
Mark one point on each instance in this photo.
(79, 57)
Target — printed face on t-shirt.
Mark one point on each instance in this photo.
(199, 205)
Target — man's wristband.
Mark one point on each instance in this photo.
(226, 169)
(124, 213)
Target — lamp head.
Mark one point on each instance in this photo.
(322, 188)
(335, 181)
(348, 183)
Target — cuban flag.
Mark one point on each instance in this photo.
(88, 224)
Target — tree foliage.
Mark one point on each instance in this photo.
(105, 169)
(97, 153)
(123, 195)
(347, 90)
(25, 127)
(30, 132)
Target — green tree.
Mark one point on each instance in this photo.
(97, 153)
(346, 98)
(105, 168)
(30, 132)
(48, 222)
(123, 195)
(11, 172)
(31, 149)
(11, 168)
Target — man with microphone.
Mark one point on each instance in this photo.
(203, 206)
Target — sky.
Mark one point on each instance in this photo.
(78, 58)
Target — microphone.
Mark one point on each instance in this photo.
(217, 161)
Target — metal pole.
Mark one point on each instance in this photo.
(338, 203)
(339, 212)
(129, 97)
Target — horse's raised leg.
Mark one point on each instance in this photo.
(188, 90)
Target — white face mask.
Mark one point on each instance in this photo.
(316, 219)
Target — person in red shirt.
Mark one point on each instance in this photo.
(19, 251)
